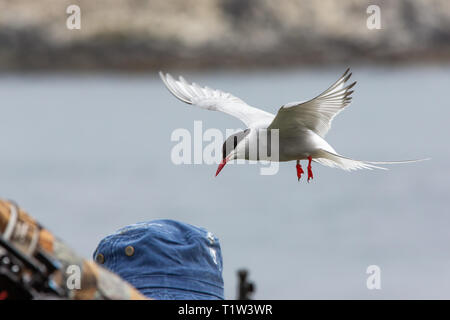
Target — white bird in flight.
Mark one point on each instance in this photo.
(302, 126)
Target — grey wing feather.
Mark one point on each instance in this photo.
(315, 114)
(216, 100)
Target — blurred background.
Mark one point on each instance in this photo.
(85, 126)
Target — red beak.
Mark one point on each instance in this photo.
(221, 165)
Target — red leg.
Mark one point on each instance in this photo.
(310, 174)
(299, 170)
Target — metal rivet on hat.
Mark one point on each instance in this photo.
(129, 251)
(100, 258)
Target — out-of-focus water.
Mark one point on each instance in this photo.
(87, 154)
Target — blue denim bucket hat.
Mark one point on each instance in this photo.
(165, 259)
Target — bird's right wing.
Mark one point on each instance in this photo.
(217, 100)
(315, 114)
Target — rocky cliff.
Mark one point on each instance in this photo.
(138, 34)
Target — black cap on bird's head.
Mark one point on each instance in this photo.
(229, 148)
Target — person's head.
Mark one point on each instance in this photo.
(165, 259)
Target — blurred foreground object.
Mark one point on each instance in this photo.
(246, 288)
(34, 264)
(165, 260)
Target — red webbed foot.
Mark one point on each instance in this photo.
(299, 170)
(310, 173)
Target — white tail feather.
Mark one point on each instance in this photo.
(337, 161)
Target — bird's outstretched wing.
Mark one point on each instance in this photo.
(315, 114)
(217, 100)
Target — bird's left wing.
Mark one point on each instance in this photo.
(217, 100)
(315, 114)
